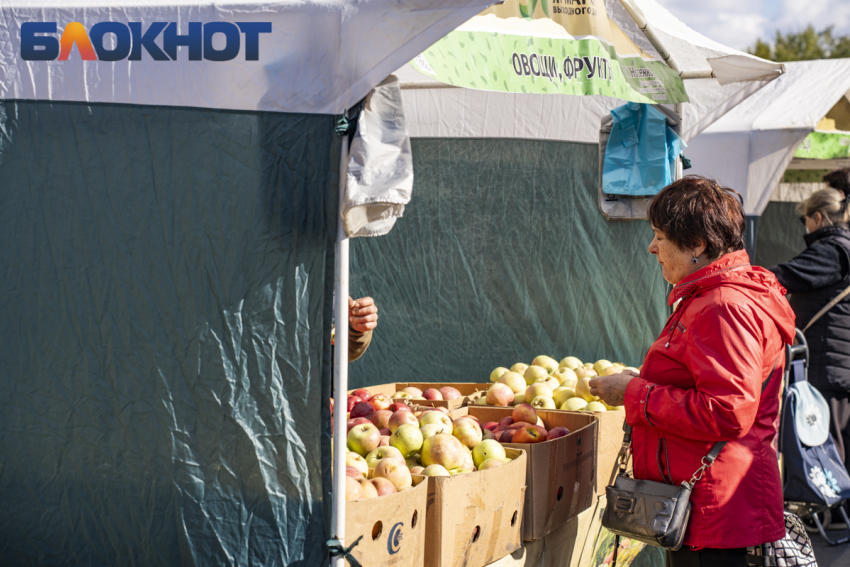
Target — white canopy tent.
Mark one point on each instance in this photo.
(717, 78)
(750, 148)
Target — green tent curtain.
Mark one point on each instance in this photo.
(165, 305)
(780, 234)
(503, 255)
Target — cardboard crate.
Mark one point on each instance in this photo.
(469, 391)
(393, 528)
(560, 473)
(475, 519)
(609, 440)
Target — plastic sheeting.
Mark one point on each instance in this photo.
(503, 256)
(780, 235)
(166, 279)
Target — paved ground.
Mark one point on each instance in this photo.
(831, 556)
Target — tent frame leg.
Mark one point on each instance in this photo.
(340, 379)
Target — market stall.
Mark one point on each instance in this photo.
(169, 205)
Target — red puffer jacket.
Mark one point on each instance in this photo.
(701, 382)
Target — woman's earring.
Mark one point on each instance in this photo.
(695, 260)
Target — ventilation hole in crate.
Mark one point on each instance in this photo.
(476, 534)
(513, 518)
(377, 529)
(414, 519)
(560, 493)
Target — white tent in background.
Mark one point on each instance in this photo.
(750, 148)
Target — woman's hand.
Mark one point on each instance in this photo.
(362, 314)
(612, 389)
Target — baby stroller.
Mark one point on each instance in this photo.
(815, 482)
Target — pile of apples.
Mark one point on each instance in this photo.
(548, 384)
(413, 393)
(361, 403)
(398, 444)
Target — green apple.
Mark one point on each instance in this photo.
(407, 439)
(518, 399)
(547, 362)
(543, 402)
(532, 373)
(488, 449)
(562, 394)
(570, 362)
(574, 404)
(497, 373)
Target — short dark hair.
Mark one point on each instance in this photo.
(695, 209)
(839, 179)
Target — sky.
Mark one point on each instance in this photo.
(738, 23)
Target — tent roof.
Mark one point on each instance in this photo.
(435, 110)
(321, 56)
(750, 148)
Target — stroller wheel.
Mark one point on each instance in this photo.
(824, 515)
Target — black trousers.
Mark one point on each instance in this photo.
(707, 557)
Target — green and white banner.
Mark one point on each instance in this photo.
(550, 47)
(824, 145)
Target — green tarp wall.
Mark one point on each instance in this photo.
(780, 234)
(502, 255)
(165, 305)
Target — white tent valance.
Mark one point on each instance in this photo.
(312, 56)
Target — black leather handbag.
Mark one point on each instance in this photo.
(653, 512)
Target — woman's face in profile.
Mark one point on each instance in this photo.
(675, 262)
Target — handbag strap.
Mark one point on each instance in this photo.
(826, 308)
(707, 460)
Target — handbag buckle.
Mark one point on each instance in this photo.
(623, 457)
(700, 471)
(624, 504)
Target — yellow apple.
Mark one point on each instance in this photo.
(563, 394)
(519, 368)
(570, 362)
(595, 406)
(600, 365)
(497, 373)
(583, 390)
(574, 404)
(532, 373)
(547, 362)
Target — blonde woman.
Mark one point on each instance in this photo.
(813, 279)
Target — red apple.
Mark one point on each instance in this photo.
(353, 490)
(353, 473)
(380, 401)
(557, 432)
(487, 434)
(499, 395)
(432, 394)
(506, 436)
(380, 418)
(524, 412)
(383, 486)
(385, 441)
(450, 393)
(351, 401)
(362, 409)
(357, 421)
(400, 418)
(506, 421)
(385, 431)
(491, 425)
(398, 406)
(443, 449)
(519, 424)
(394, 471)
(362, 393)
(467, 432)
(529, 434)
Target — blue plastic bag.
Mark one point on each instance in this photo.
(640, 158)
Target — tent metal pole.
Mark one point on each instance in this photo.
(340, 365)
(680, 110)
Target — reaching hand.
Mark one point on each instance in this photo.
(612, 389)
(362, 314)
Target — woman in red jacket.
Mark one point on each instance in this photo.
(713, 375)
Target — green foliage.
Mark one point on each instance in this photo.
(803, 46)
